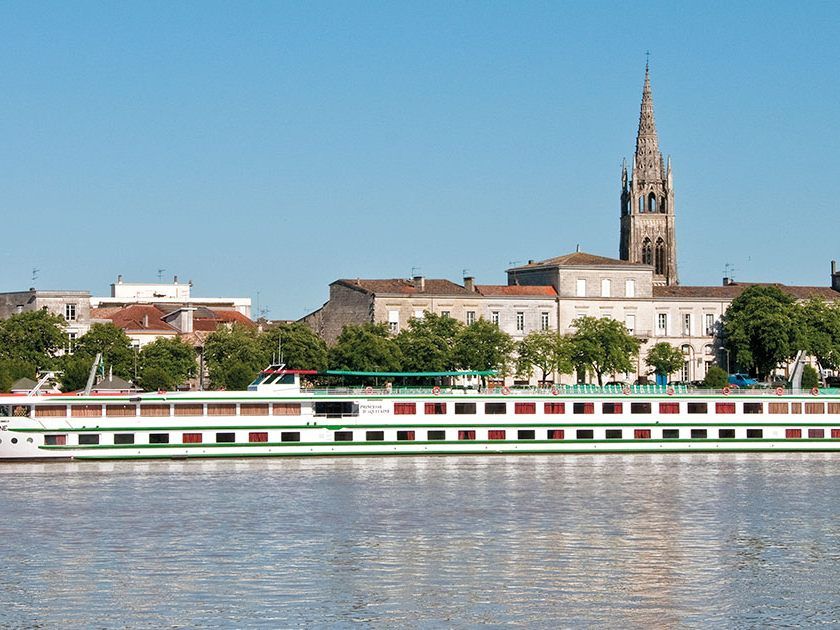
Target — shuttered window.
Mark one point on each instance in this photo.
(86, 411)
(189, 410)
(221, 409)
(50, 411)
(814, 407)
(120, 411)
(253, 409)
(285, 409)
(154, 411)
(777, 408)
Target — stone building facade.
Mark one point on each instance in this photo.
(72, 306)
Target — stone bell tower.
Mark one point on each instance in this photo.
(648, 234)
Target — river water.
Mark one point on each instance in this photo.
(543, 541)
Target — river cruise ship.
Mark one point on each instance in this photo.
(278, 417)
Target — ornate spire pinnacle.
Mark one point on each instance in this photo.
(648, 158)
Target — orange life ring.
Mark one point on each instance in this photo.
(368, 390)
(670, 391)
(727, 391)
(625, 390)
(555, 391)
(815, 392)
(779, 391)
(436, 390)
(505, 391)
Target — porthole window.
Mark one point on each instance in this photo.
(14, 440)
(29, 440)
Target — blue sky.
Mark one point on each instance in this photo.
(275, 147)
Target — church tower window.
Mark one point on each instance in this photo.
(660, 257)
(652, 203)
(641, 204)
(647, 257)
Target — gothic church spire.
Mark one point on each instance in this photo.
(648, 158)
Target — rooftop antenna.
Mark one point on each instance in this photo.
(577, 248)
(35, 272)
(464, 273)
(160, 274)
(415, 271)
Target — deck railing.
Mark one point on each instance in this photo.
(568, 390)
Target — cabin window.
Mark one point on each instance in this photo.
(554, 408)
(405, 436)
(726, 408)
(496, 434)
(833, 407)
(670, 434)
(585, 434)
(50, 411)
(253, 409)
(86, 411)
(436, 435)
(793, 434)
(258, 436)
(526, 434)
(525, 408)
(462, 409)
(158, 438)
(777, 408)
(154, 411)
(55, 440)
(815, 407)
(120, 411)
(285, 409)
(698, 433)
(123, 438)
(669, 407)
(338, 409)
(726, 433)
(286, 436)
(556, 434)
(583, 407)
(753, 407)
(435, 409)
(698, 407)
(641, 434)
(375, 436)
(191, 438)
(343, 436)
(795, 407)
(612, 408)
(613, 434)
(226, 437)
(816, 433)
(755, 433)
(405, 409)
(835, 434)
(466, 435)
(495, 408)
(189, 410)
(640, 407)
(88, 438)
(217, 409)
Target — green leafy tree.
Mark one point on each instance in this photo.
(761, 329)
(113, 343)
(298, 346)
(234, 356)
(603, 346)
(716, 378)
(13, 369)
(546, 350)
(820, 328)
(166, 363)
(74, 372)
(482, 346)
(664, 358)
(34, 337)
(365, 348)
(810, 377)
(428, 343)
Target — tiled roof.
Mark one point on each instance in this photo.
(578, 259)
(493, 290)
(210, 320)
(731, 291)
(137, 317)
(405, 287)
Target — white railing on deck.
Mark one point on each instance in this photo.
(565, 390)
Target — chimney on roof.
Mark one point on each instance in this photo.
(175, 281)
(119, 279)
(420, 283)
(146, 320)
(728, 282)
(531, 261)
(469, 283)
(835, 276)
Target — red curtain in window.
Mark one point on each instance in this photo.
(406, 409)
(522, 407)
(406, 435)
(435, 409)
(555, 407)
(496, 434)
(258, 437)
(556, 434)
(466, 435)
(191, 438)
(835, 434)
(793, 434)
(722, 407)
(671, 407)
(816, 433)
(642, 434)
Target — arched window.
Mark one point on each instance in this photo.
(651, 202)
(663, 205)
(647, 258)
(660, 257)
(641, 203)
